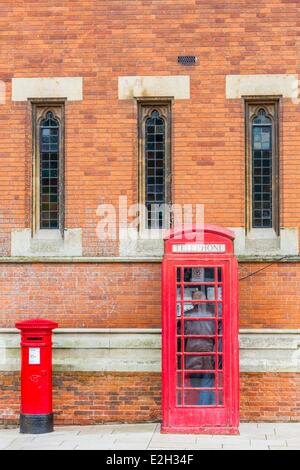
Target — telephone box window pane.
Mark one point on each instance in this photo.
(179, 397)
(49, 174)
(200, 334)
(262, 150)
(179, 379)
(155, 171)
(198, 274)
(206, 292)
(201, 309)
(201, 390)
(209, 274)
(179, 309)
(220, 379)
(195, 327)
(187, 274)
(220, 388)
(219, 310)
(220, 357)
(201, 361)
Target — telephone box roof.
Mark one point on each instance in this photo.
(207, 228)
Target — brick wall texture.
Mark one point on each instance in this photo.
(101, 40)
(90, 398)
(128, 295)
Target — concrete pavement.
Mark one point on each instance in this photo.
(265, 436)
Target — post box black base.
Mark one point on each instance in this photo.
(36, 424)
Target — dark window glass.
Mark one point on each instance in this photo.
(49, 172)
(262, 129)
(155, 169)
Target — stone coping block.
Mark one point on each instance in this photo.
(140, 350)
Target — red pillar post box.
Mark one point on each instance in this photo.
(36, 376)
(200, 353)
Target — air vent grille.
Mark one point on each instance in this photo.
(187, 59)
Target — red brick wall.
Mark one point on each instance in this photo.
(101, 40)
(87, 398)
(90, 397)
(82, 295)
(270, 298)
(9, 397)
(270, 397)
(127, 295)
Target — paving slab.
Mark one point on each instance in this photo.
(233, 441)
(170, 446)
(275, 442)
(293, 441)
(236, 447)
(279, 436)
(266, 427)
(16, 444)
(260, 447)
(173, 441)
(137, 428)
(93, 447)
(239, 438)
(4, 444)
(175, 437)
(205, 445)
(95, 432)
(129, 446)
(51, 441)
(287, 434)
(45, 447)
(287, 425)
(251, 427)
(284, 448)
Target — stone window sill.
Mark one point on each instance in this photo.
(265, 242)
(46, 243)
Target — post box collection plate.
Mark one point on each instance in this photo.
(34, 356)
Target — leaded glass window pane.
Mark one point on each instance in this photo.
(262, 130)
(155, 169)
(49, 172)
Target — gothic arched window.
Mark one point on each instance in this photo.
(155, 165)
(155, 170)
(262, 168)
(262, 151)
(49, 172)
(48, 126)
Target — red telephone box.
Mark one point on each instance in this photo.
(36, 376)
(200, 353)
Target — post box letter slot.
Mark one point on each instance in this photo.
(34, 339)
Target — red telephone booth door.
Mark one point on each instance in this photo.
(200, 362)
